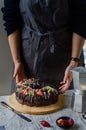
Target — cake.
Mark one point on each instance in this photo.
(33, 92)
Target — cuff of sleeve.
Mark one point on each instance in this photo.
(79, 26)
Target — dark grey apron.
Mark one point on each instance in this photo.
(46, 38)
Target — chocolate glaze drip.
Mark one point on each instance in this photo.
(39, 97)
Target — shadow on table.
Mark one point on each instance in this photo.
(2, 128)
(74, 127)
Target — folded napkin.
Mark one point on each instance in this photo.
(2, 128)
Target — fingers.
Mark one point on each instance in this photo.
(19, 73)
(62, 82)
(64, 86)
(20, 77)
(17, 79)
(14, 75)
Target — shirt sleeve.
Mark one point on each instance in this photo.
(78, 9)
(11, 15)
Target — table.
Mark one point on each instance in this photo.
(13, 122)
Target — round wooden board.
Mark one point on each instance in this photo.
(36, 110)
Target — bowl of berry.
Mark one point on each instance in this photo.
(65, 122)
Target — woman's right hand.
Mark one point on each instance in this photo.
(19, 73)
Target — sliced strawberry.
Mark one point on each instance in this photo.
(24, 92)
(40, 92)
(70, 121)
(62, 122)
(23, 80)
(20, 87)
(27, 88)
(45, 123)
(58, 121)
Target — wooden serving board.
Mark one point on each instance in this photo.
(36, 110)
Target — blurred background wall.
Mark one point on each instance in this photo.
(5, 59)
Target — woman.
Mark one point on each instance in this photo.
(46, 38)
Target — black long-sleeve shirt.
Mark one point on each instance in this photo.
(12, 17)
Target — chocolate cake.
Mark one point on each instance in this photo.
(33, 92)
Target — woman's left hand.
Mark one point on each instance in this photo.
(65, 84)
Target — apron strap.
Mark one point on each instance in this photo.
(29, 14)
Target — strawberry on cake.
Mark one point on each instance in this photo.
(33, 92)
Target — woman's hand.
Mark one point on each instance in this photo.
(19, 73)
(65, 84)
